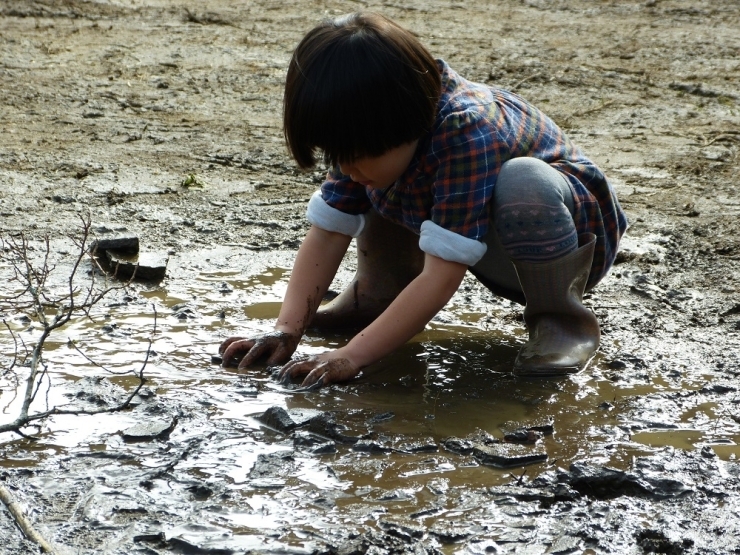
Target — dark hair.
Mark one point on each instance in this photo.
(357, 86)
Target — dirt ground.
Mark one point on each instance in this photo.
(163, 119)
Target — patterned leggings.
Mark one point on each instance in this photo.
(532, 220)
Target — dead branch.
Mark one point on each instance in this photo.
(36, 295)
(22, 521)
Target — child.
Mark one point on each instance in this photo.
(434, 175)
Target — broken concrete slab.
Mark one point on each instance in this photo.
(124, 243)
(142, 266)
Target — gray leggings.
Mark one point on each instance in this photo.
(532, 221)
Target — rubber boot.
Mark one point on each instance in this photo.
(563, 334)
(388, 259)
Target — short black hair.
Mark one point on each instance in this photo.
(358, 85)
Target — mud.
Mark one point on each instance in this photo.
(162, 120)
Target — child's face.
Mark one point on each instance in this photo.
(381, 171)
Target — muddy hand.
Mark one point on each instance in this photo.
(319, 371)
(278, 346)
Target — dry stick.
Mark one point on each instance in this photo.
(522, 81)
(22, 520)
(594, 108)
(24, 418)
(35, 279)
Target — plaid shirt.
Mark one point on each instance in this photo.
(451, 178)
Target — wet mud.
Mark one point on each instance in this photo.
(163, 121)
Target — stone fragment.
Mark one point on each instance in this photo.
(313, 444)
(426, 445)
(603, 482)
(381, 417)
(270, 469)
(128, 244)
(285, 421)
(544, 426)
(403, 530)
(447, 532)
(326, 448)
(521, 493)
(523, 436)
(325, 425)
(565, 544)
(465, 446)
(371, 446)
(142, 266)
(147, 431)
(458, 445)
(507, 455)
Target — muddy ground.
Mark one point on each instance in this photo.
(162, 119)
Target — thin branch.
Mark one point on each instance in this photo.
(15, 345)
(72, 344)
(22, 521)
(33, 279)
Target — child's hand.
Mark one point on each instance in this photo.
(320, 370)
(278, 346)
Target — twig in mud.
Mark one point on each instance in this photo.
(522, 81)
(207, 18)
(22, 521)
(592, 109)
(37, 296)
(169, 467)
(71, 343)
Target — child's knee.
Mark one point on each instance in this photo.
(526, 180)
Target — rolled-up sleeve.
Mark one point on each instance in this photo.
(448, 245)
(339, 205)
(327, 217)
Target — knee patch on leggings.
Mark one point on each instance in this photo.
(532, 211)
(532, 232)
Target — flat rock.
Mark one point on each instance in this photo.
(506, 455)
(326, 448)
(128, 244)
(142, 266)
(603, 482)
(147, 431)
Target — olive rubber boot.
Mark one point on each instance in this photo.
(388, 259)
(563, 334)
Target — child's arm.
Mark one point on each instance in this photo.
(316, 263)
(405, 317)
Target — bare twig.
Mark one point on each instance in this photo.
(22, 521)
(170, 466)
(33, 279)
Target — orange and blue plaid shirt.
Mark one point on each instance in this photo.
(452, 176)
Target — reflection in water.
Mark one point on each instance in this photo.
(450, 381)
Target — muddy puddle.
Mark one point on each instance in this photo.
(238, 462)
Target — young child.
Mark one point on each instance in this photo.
(433, 175)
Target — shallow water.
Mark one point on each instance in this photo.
(449, 381)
